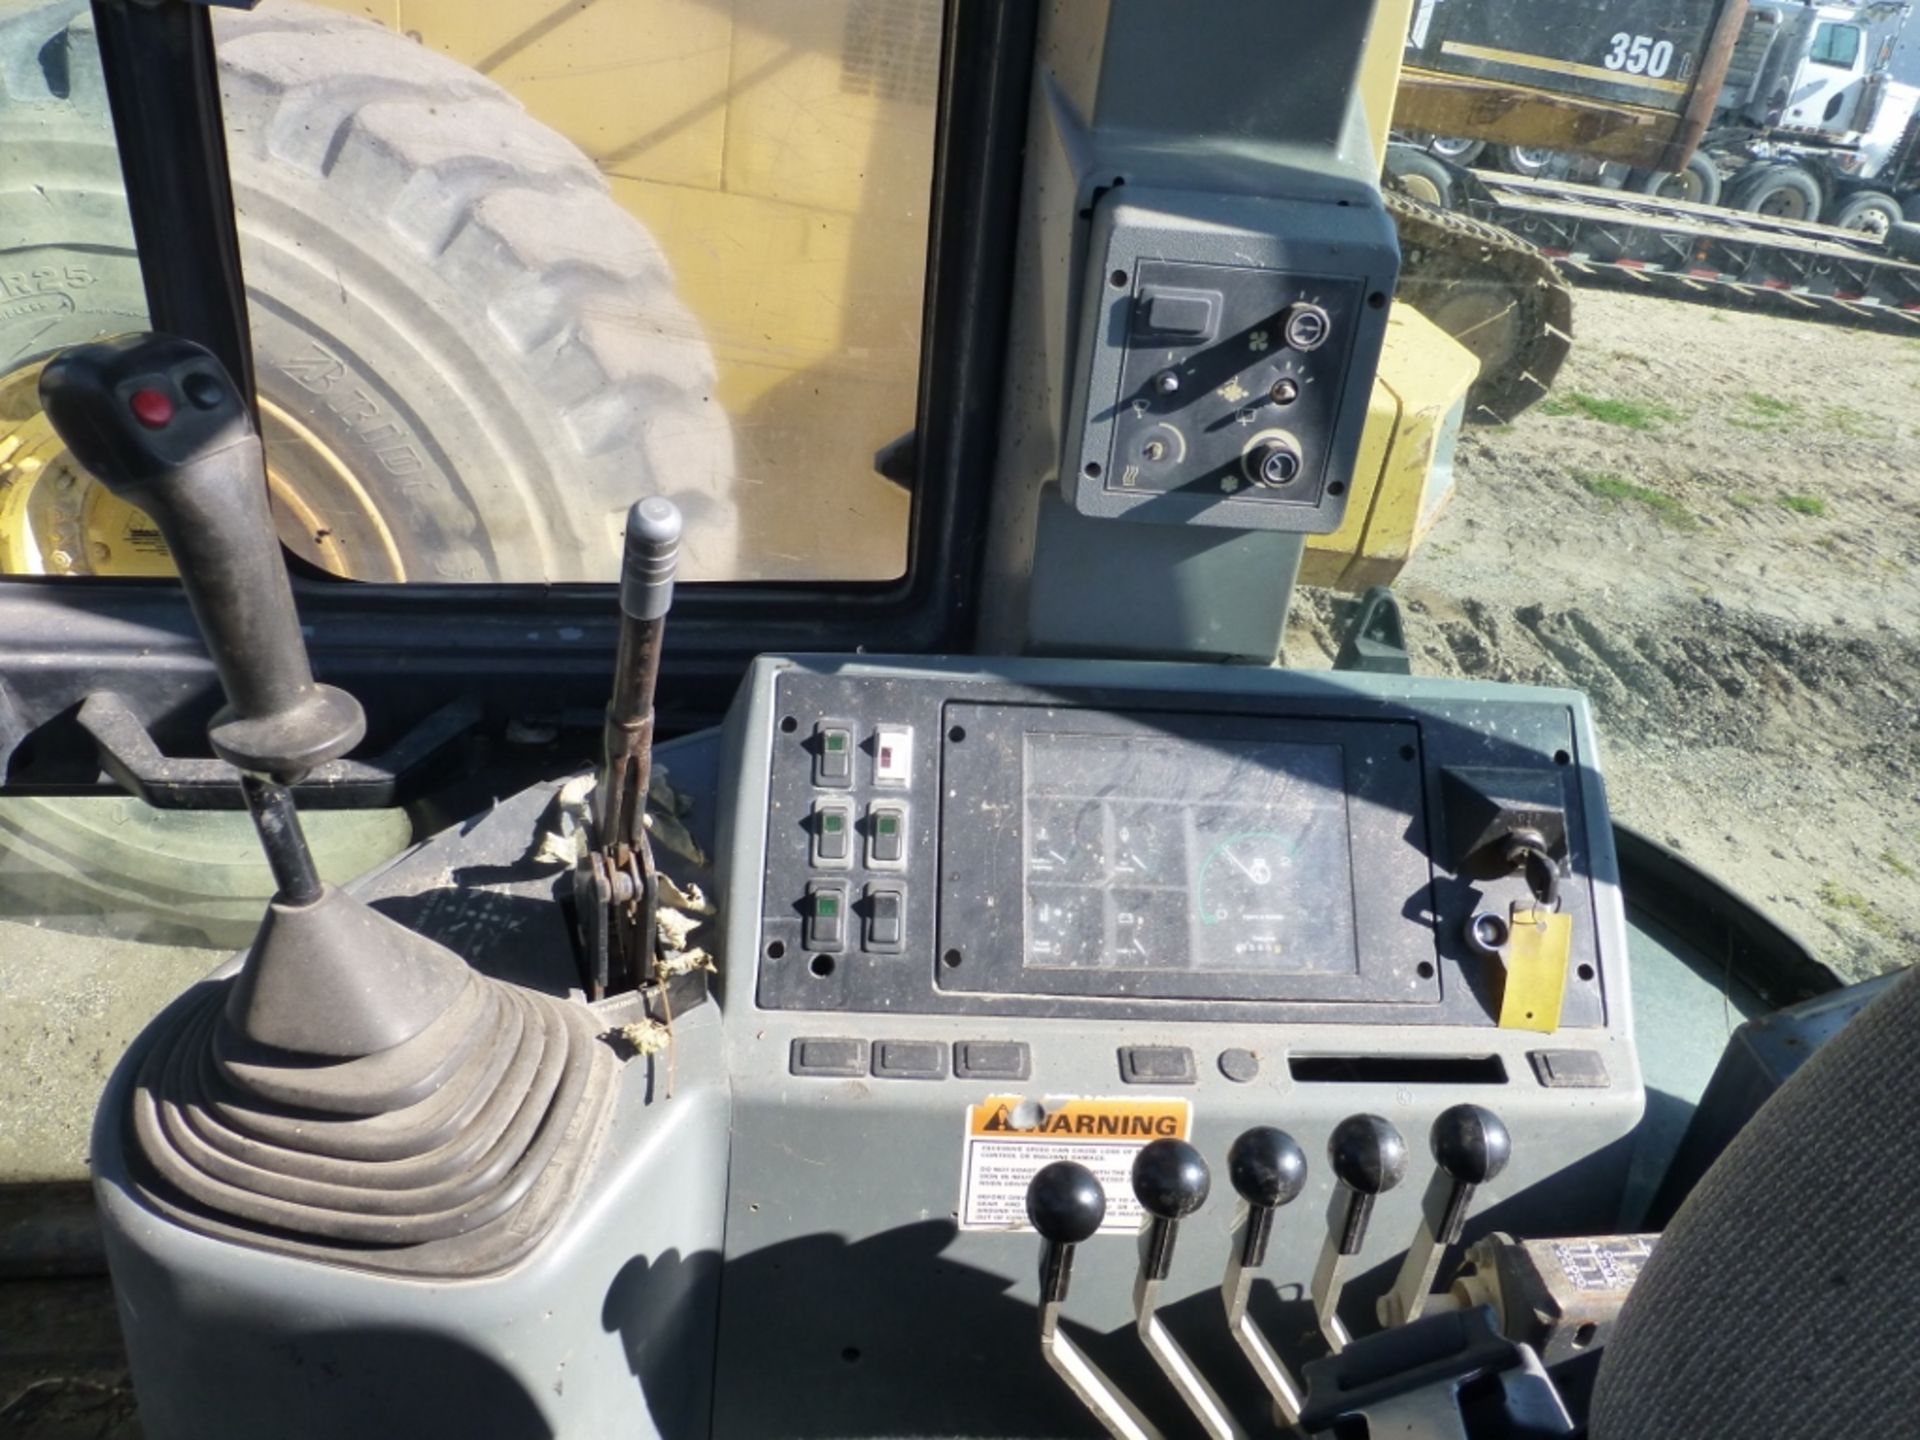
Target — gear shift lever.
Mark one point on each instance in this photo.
(1369, 1158)
(1066, 1205)
(1470, 1147)
(1268, 1170)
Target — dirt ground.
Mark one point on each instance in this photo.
(1712, 526)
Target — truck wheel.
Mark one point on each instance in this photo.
(1781, 192)
(1698, 184)
(1903, 242)
(1871, 212)
(1532, 161)
(1421, 176)
(470, 358)
(1456, 149)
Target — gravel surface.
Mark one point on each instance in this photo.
(1712, 528)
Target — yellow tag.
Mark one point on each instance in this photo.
(1537, 954)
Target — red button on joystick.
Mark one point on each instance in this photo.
(151, 408)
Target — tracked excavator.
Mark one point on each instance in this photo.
(1002, 1003)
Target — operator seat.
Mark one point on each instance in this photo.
(1784, 1299)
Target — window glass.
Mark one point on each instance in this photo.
(68, 273)
(1705, 521)
(513, 267)
(1836, 45)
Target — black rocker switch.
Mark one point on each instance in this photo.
(1066, 1205)
(1470, 1146)
(1268, 1170)
(1369, 1158)
(1171, 1182)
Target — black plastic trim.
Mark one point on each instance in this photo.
(529, 650)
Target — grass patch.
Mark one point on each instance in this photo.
(1763, 412)
(1894, 863)
(1631, 414)
(1804, 505)
(1741, 500)
(1854, 424)
(1612, 487)
(1856, 906)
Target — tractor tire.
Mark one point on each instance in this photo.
(1416, 173)
(470, 358)
(1781, 192)
(1871, 212)
(1698, 184)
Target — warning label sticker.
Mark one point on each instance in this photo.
(1009, 1138)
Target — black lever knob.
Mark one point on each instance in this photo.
(1471, 1145)
(1171, 1181)
(157, 420)
(1066, 1205)
(1268, 1169)
(1369, 1158)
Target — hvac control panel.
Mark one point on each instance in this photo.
(1287, 848)
(1228, 346)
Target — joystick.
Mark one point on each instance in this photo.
(354, 1092)
(1369, 1158)
(1268, 1170)
(1066, 1205)
(1470, 1147)
(1171, 1182)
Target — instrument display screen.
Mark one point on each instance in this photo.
(1154, 853)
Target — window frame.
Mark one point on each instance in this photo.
(406, 649)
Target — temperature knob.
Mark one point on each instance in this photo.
(1307, 326)
(1274, 460)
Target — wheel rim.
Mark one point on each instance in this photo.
(1530, 157)
(1870, 220)
(1785, 203)
(55, 519)
(1451, 147)
(1682, 185)
(1422, 188)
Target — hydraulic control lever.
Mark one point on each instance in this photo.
(1470, 1147)
(1171, 1182)
(1369, 1158)
(157, 420)
(1268, 1170)
(616, 889)
(1066, 1205)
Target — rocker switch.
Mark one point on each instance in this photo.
(832, 755)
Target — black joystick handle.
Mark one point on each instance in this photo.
(1171, 1181)
(157, 420)
(1471, 1146)
(1268, 1169)
(1066, 1205)
(1369, 1158)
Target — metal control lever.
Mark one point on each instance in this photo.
(1268, 1170)
(1170, 1181)
(1066, 1205)
(1369, 1158)
(616, 890)
(158, 421)
(1470, 1147)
